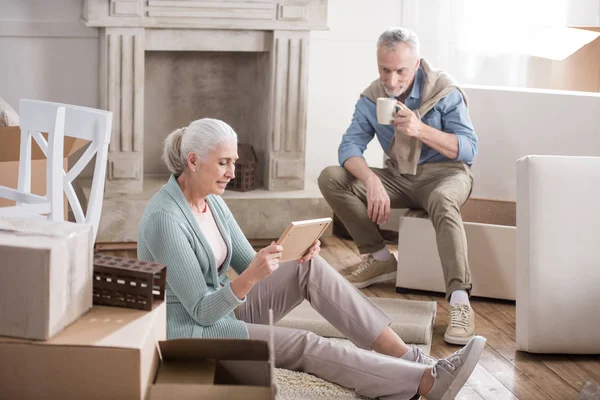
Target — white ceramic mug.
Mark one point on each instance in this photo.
(386, 110)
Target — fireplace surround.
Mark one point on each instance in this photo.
(164, 63)
(196, 50)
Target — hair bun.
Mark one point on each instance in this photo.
(172, 152)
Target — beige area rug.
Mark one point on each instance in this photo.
(412, 320)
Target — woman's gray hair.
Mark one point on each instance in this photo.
(200, 137)
(392, 36)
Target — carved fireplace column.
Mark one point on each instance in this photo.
(286, 156)
(122, 92)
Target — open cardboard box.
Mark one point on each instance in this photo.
(10, 137)
(577, 72)
(490, 227)
(213, 369)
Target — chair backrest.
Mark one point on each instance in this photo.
(66, 120)
(29, 204)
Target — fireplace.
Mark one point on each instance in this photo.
(164, 63)
(183, 86)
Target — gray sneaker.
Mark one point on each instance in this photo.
(370, 271)
(452, 373)
(417, 355)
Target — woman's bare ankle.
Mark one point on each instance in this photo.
(389, 343)
(427, 381)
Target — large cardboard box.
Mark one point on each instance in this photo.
(46, 272)
(10, 137)
(214, 369)
(576, 72)
(110, 353)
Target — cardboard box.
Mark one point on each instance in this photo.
(576, 72)
(10, 137)
(45, 276)
(213, 369)
(491, 241)
(110, 353)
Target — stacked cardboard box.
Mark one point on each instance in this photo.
(109, 353)
(54, 346)
(45, 276)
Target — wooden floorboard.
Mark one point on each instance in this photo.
(499, 330)
(487, 386)
(468, 393)
(503, 372)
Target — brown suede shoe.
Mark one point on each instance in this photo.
(370, 271)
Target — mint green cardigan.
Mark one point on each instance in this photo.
(200, 301)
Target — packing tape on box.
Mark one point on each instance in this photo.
(39, 228)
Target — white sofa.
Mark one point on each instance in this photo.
(558, 254)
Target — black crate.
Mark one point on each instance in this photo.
(126, 282)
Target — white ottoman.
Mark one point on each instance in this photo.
(558, 254)
(491, 235)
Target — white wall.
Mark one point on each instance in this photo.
(47, 53)
(342, 65)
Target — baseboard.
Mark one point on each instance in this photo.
(115, 246)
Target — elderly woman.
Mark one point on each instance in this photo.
(188, 227)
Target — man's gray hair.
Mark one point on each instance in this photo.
(392, 36)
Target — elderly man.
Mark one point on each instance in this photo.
(431, 146)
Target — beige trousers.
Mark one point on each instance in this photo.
(438, 188)
(369, 373)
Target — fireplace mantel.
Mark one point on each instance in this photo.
(130, 28)
(303, 15)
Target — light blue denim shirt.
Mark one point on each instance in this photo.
(449, 115)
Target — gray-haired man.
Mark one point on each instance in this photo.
(431, 146)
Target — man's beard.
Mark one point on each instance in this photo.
(396, 93)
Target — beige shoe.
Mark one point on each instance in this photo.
(462, 324)
(370, 271)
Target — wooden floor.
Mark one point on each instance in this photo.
(503, 372)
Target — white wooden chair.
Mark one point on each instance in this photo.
(60, 121)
